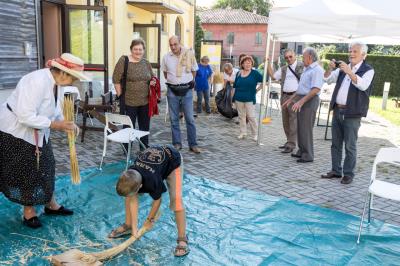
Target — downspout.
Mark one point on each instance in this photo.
(39, 51)
(194, 26)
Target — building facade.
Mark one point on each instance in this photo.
(99, 31)
(241, 32)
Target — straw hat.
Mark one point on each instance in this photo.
(70, 64)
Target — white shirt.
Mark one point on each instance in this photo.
(291, 82)
(232, 76)
(169, 64)
(33, 106)
(362, 82)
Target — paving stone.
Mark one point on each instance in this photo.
(261, 168)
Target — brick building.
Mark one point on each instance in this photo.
(241, 32)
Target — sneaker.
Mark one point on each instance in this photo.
(242, 136)
(255, 138)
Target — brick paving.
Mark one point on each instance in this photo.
(262, 168)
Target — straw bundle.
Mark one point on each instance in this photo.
(76, 257)
(218, 78)
(68, 111)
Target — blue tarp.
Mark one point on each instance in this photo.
(227, 225)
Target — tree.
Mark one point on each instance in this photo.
(199, 35)
(262, 7)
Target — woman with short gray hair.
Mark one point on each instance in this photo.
(202, 87)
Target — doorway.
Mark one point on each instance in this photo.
(52, 30)
(151, 34)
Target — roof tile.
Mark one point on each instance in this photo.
(230, 16)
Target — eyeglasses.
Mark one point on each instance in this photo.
(287, 57)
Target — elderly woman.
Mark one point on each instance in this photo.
(229, 74)
(245, 96)
(203, 76)
(136, 94)
(27, 169)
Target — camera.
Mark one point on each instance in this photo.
(337, 63)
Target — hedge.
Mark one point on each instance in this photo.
(387, 69)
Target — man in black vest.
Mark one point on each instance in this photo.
(289, 76)
(350, 101)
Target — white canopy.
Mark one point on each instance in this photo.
(337, 21)
(331, 21)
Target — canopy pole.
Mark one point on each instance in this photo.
(271, 61)
(262, 104)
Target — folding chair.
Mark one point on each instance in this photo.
(381, 188)
(125, 135)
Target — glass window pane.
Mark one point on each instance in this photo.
(86, 35)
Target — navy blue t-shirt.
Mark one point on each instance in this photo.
(155, 164)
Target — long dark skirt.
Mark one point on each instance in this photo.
(20, 179)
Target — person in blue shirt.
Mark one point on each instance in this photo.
(202, 84)
(246, 83)
(305, 103)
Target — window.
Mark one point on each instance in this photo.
(178, 28)
(208, 35)
(230, 37)
(258, 38)
(163, 22)
(299, 49)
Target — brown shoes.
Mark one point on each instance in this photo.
(195, 149)
(331, 175)
(287, 150)
(346, 180)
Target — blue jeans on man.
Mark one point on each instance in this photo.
(345, 130)
(174, 107)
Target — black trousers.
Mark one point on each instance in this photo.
(141, 115)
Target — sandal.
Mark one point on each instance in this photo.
(179, 248)
(120, 231)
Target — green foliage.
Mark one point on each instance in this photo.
(323, 49)
(199, 35)
(261, 6)
(325, 64)
(387, 69)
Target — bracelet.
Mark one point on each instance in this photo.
(151, 220)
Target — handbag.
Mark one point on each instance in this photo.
(122, 109)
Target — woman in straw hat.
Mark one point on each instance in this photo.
(27, 165)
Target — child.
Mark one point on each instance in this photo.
(147, 174)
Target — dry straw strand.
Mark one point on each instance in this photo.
(68, 112)
(77, 257)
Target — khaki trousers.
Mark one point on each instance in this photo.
(289, 121)
(247, 109)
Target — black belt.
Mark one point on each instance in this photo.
(9, 108)
(340, 106)
(178, 85)
(289, 93)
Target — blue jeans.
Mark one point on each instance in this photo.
(174, 106)
(344, 130)
(206, 94)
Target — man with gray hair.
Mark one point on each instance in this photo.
(289, 77)
(306, 101)
(350, 102)
(179, 67)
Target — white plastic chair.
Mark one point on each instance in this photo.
(125, 135)
(381, 188)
